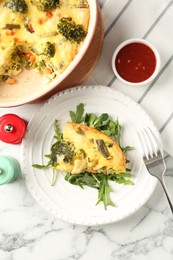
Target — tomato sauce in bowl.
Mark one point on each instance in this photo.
(136, 62)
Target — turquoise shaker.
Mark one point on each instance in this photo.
(9, 169)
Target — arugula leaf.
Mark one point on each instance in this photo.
(38, 166)
(89, 119)
(92, 120)
(81, 179)
(127, 148)
(112, 128)
(53, 177)
(57, 130)
(100, 182)
(99, 121)
(77, 117)
(115, 129)
(121, 178)
(104, 190)
(53, 155)
(124, 181)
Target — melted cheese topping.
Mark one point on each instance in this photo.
(41, 24)
(87, 155)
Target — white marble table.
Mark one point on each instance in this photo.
(27, 232)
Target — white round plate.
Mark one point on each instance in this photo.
(69, 202)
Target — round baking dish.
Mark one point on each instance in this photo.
(30, 86)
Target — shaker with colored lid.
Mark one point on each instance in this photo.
(12, 128)
(9, 169)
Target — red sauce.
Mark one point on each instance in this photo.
(135, 62)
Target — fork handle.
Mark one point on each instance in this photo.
(166, 193)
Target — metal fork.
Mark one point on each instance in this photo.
(153, 158)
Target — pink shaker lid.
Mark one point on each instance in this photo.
(12, 128)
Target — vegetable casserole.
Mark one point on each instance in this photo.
(41, 35)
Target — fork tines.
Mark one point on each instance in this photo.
(148, 144)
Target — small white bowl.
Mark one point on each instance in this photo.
(157, 66)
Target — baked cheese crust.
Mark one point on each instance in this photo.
(93, 151)
(24, 45)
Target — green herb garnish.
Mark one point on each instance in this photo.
(99, 181)
(77, 117)
(93, 121)
(54, 148)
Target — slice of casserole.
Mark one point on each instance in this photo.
(87, 149)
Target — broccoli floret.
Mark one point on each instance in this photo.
(18, 6)
(45, 5)
(70, 30)
(49, 49)
(62, 148)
